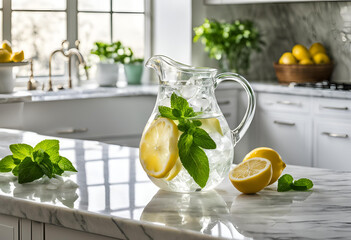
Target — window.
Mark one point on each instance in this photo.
(39, 26)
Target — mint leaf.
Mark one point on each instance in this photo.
(184, 143)
(183, 127)
(21, 150)
(66, 165)
(302, 184)
(202, 139)
(189, 112)
(179, 103)
(285, 182)
(51, 147)
(196, 163)
(166, 112)
(177, 113)
(43, 160)
(56, 169)
(29, 171)
(7, 164)
(15, 171)
(197, 123)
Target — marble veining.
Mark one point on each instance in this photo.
(113, 197)
(283, 25)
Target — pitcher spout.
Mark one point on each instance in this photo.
(169, 70)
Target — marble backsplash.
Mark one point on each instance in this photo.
(283, 25)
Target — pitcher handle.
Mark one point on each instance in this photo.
(240, 130)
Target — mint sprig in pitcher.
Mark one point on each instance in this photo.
(187, 144)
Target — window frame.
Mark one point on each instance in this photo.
(72, 21)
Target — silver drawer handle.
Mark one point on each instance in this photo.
(288, 103)
(224, 102)
(335, 135)
(284, 123)
(335, 108)
(72, 130)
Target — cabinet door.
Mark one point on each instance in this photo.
(288, 134)
(332, 144)
(8, 227)
(59, 233)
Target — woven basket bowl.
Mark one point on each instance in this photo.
(303, 73)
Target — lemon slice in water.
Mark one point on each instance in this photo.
(159, 148)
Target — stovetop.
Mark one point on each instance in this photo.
(324, 85)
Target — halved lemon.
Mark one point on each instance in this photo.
(252, 175)
(159, 148)
(273, 156)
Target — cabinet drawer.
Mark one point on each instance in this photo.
(284, 103)
(228, 103)
(288, 134)
(332, 107)
(332, 144)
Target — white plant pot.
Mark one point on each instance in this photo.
(7, 81)
(107, 74)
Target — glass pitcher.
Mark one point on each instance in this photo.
(187, 145)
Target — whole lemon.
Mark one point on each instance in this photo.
(306, 61)
(277, 163)
(5, 56)
(287, 58)
(300, 52)
(6, 45)
(321, 58)
(317, 48)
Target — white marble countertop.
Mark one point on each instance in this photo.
(115, 198)
(92, 91)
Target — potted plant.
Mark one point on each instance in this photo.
(133, 68)
(230, 43)
(110, 56)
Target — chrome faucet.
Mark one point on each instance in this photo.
(67, 53)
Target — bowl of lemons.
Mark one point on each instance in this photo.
(304, 65)
(8, 60)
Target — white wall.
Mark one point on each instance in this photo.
(172, 29)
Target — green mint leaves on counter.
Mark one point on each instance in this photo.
(30, 163)
(193, 139)
(287, 183)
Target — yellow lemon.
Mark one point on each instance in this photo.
(158, 150)
(211, 125)
(321, 58)
(5, 56)
(306, 61)
(277, 163)
(175, 170)
(316, 48)
(6, 45)
(300, 52)
(287, 58)
(252, 175)
(17, 56)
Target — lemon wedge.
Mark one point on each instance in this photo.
(17, 56)
(252, 175)
(159, 148)
(268, 153)
(211, 125)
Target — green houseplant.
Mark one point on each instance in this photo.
(133, 68)
(230, 43)
(111, 55)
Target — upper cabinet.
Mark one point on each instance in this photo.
(219, 2)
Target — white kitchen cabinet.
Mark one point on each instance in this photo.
(332, 138)
(332, 133)
(9, 227)
(110, 119)
(11, 115)
(284, 123)
(227, 100)
(53, 232)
